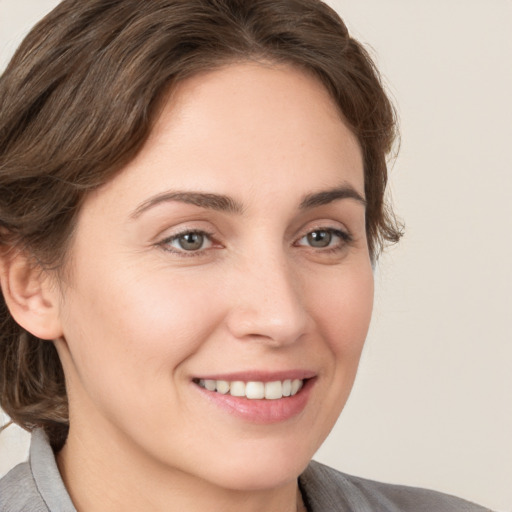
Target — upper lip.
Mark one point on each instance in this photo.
(260, 375)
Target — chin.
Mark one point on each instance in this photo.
(259, 465)
(264, 473)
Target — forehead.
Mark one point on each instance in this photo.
(252, 87)
(246, 126)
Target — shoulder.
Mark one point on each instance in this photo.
(327, 489)
(18, 491)
(36, 485)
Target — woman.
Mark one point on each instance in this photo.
(192, 199)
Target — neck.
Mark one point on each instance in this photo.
(114, 476)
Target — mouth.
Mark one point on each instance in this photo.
(259, 397)
(254, 390)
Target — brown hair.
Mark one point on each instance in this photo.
(79, 99)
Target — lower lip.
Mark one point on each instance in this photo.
(261, 411)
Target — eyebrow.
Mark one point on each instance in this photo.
(203, 200)
(323, 197)
(227, 204)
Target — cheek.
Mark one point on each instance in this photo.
(135, 327)
(341, 307)
(343, 312)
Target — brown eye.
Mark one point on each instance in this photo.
(320, 238)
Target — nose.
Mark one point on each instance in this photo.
(268, 303)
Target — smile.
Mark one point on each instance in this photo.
(254, 390)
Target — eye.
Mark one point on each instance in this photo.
(325, 238)
(188, 241)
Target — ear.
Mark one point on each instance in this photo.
(31, 296)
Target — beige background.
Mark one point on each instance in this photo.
(432, 404)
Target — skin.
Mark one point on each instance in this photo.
(140, 317)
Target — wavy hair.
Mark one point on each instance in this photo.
(79, 99)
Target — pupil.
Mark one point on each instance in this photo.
(319, 238)
(191, 241)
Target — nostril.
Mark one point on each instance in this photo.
(267, 307)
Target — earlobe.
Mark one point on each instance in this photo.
(31, 297)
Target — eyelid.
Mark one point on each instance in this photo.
(165, 242)
(342, 233)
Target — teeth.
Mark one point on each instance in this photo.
(287, 387)
(237, 388)
(210, 385)
(222, 386)
(254, 390)
(296, 385)
(273, 390)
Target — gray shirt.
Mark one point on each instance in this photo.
(36, 486)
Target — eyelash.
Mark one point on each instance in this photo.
(344, 236)
(165, 244)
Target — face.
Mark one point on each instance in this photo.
(224, 269)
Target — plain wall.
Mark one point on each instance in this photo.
(432, 403)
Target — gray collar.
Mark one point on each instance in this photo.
(46, 474)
